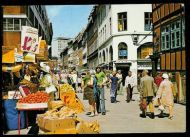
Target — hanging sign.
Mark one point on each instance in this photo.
(29, 40)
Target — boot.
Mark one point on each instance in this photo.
(152, 116)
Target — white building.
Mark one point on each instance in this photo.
(117, 23)
(58, 45)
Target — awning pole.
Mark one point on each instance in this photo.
(12, 79)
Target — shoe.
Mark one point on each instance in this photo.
(91, 115)
(88, 113)
(152, 116)
(170, 117)
(103, 113)
(143, 115)
(161, 115)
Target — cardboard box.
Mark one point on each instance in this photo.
(53, 104)
(64, 131)
(53, 125)
(31, 106)
(83, 128)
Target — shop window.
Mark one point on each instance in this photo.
(4, 24)
(122, 21)
(147, 21)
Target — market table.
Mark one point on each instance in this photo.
(25, 109)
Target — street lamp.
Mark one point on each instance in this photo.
(135, 38)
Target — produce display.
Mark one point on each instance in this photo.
(38, 97)
(58, 112)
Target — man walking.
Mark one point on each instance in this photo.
(147, 94)
(101, 80)
(120, 87)
(129, 84)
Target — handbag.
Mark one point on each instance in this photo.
(143, 106)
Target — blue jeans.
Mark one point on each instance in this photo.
(102, 99)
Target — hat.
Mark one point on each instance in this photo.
(46, 69)
(165, 75)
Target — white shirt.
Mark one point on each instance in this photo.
(129, 80)
(74, 76)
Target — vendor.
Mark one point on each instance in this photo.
(46, 82)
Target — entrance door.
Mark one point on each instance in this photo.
(124, 71)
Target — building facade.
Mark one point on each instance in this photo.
(58, 45)
(116, 26)
(14, 17)
(169, 41)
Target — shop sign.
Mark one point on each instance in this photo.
(28, 57)
(29, 40)
(8, 54)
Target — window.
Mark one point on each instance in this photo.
(10, 24)
(183, 32)
(175, 35)
(122, 21)
(171, 35)
(122, 49)
(16, 24)
(13, 24)
(165, 37)
(147, 21)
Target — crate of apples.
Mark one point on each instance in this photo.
(34, 100)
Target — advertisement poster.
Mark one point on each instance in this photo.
(29, 40)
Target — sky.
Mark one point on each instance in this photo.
(68, 20)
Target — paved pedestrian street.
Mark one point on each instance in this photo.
(123, 117)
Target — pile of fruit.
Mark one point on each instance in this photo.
(38, 97)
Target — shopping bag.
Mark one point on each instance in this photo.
(11, 115)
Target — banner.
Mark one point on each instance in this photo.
(8, 54)
(28, 57)
(29, 40)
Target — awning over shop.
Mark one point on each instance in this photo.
(11, 68)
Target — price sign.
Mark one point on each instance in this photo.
(29, 40)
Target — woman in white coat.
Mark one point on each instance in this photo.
(166, 95)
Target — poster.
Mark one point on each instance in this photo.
(29, 40)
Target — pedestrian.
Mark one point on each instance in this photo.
(158, 79)
(146, 94)
(120, 77)
(87, 85)
(74, 78)
(166, 95)
(114, 84)
(101, 80)
(129, 84)
(79, 81)
(96, 92)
